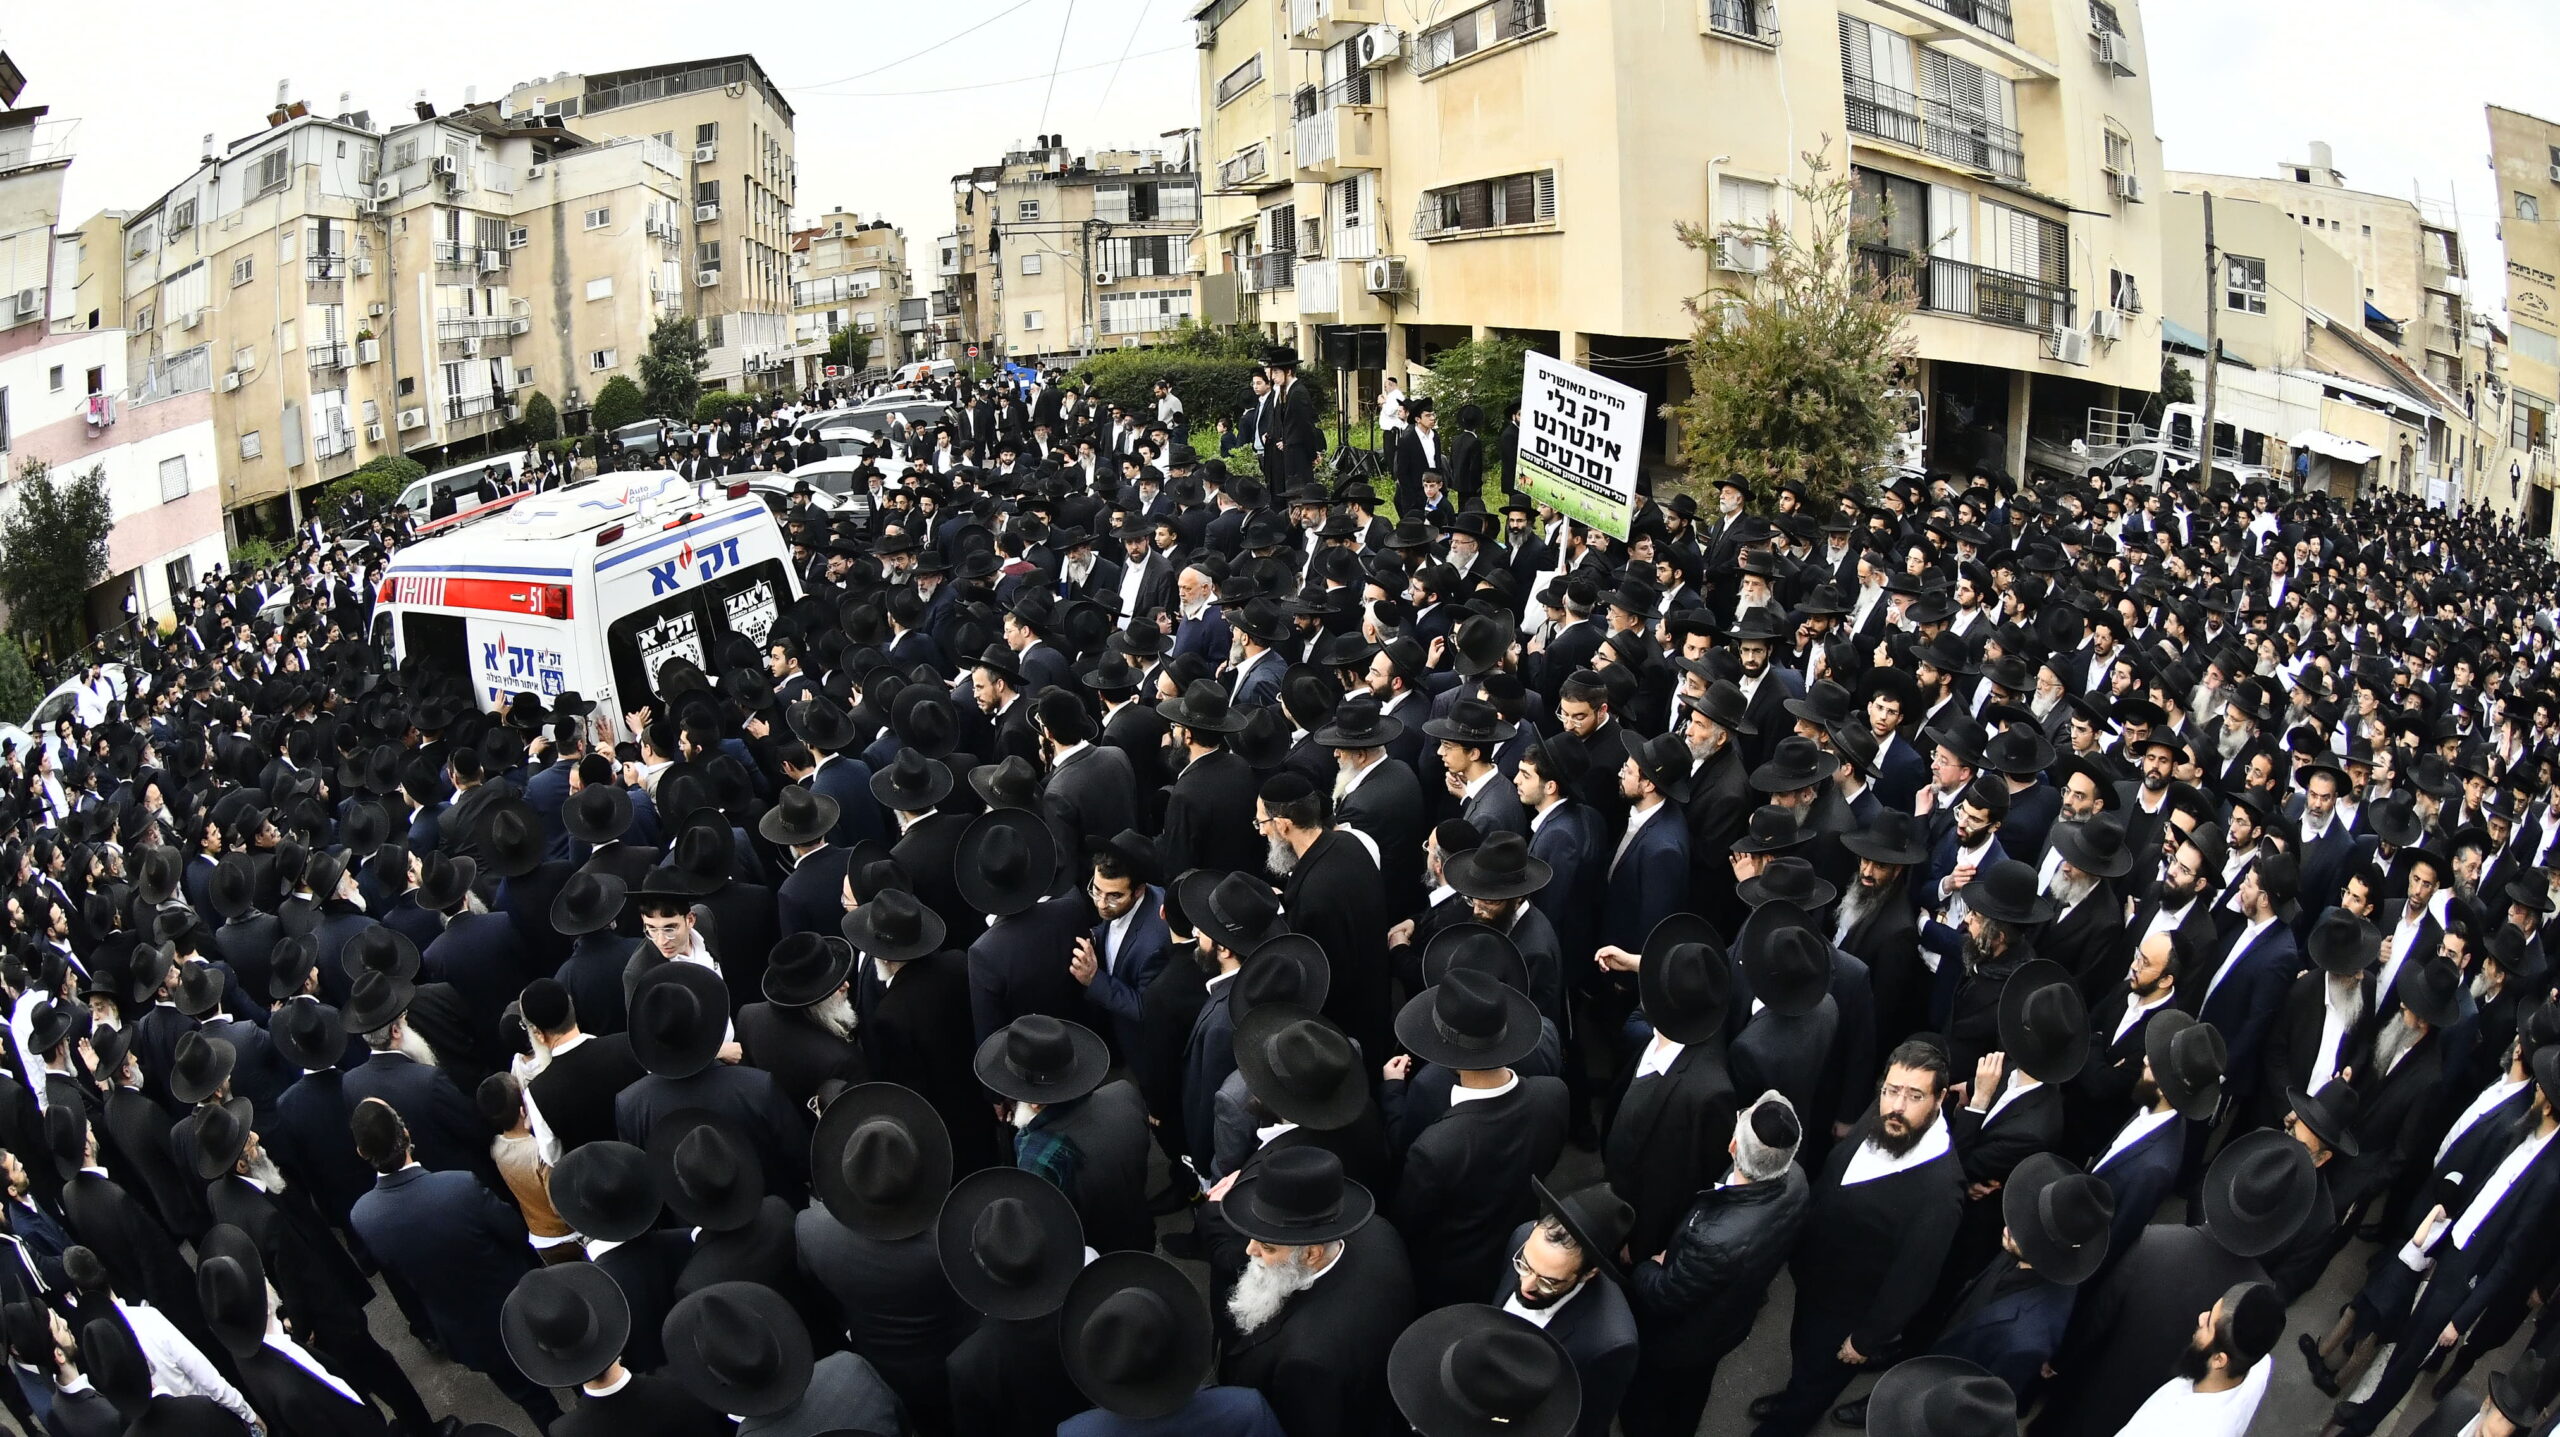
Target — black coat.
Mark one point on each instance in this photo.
(1597, 1330)
(892, 1300)
(1871, 1251)
(801, 1055)
(1009, 1379)
(1092, 795)
(593, 975)
(647, 1406)
(1388, 807)
(924, 854)
(1019, 966)
(310, 1142)
(292, 1403)
(1668, 1140)
(646, 1269)
(1335, 896)
(1701, 1297)
(749, 1097)
(1322, 1362)
(149, 1162)
(481, 956)
(917, 1033)
(744, 927)
(139, 1255)
(811, 898)
(460, 1249)
(1466, 1186)
(2126, 1333)
(1208, 818)
(575, 1091)
(445, 1131)
(319, 1283)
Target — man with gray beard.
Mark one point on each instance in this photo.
(803, 1033)
(1320, 1294)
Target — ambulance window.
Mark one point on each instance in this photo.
(434, 642)
(383, 657)
(640, 641)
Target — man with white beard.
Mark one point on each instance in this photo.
(1321, 1295)
(803, 1033)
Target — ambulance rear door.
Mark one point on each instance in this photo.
(679, 594)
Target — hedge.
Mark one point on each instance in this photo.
(1211, 386)
(379, 479)
(618, 403)
(716, 402)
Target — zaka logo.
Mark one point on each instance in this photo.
(714, 558)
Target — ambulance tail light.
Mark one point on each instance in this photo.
(551, 601)
(738, 490)
(608, 534)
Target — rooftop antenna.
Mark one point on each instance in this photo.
(284, 93)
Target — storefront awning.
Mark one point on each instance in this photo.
(2321, 441)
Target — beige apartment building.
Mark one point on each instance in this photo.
(1054, 254)
(851, 273)
(2526, 152)
(1383, 191)
(730, 129)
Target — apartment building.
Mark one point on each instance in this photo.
(1054, 254)
(851, 273)
(1381, 191)
(2526, 152)
(730, 128)
(64, 384)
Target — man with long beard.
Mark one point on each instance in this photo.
(1321, 1296)
(1884, 1211)
(1875, 923)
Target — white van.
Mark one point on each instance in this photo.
(589, 589)
(462, 481)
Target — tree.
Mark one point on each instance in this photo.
(1789, 376)
(2176, 387)
(849, 348)
(19, 691)
(541, 418)
(671, 372)
(619, 403)
(379, 479)
(1483, 372)
(53, 550)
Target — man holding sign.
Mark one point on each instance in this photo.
(1581, 437)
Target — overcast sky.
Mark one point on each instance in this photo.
(893, 98)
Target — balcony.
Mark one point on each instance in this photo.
(457, 254)
(2443, 338)
(1985, 15)
(1336, 130)
(1970, 291)
(330, 443)
(325, 356)
(1273, 269)
(1752, 20)
(2438, 275)
(468, 406)
(945, 306)
(453, 325)
(325, 268)
(1935, 128)
(1247, 169)
(1317, 24)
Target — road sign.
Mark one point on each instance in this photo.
(835, 371)
(973, 351)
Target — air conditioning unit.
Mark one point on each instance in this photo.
(413, 419)
(386, 190)
(446, 167)
(1102, 276)
(2555, 174)
(1376, 46)
(2106, 324)
(373, 433)
(230, 381)
(29, 301)
(362, 266)
(1740, 255)
(377, 309)
(492, 259)
(706, 277)
(2102, 47)
(194, 317)
(2069, 345)
(705, 214)
(533, 172)
(705, 154)
(1384, 275)
(470, 346)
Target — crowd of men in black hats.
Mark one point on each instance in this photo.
(2053, 927)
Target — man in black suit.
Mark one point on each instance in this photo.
(571, 1099)
(803, 1030)
(1564, 1267)
(680, 1033)
(1674, 1117)
(916, 1030)
(1128, 947)
(1313, 1316)
(1092, 791)
(811, 897)
(1208, 819)
(1379, 796)
(1417, 454)
(1290, 439)
(445, 1131)
(1334, 895)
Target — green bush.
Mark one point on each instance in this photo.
(1483, 372)
(567, 447)
(618, 403)
(1211, 385)
(714, 403)
(252, 554)
(19, 690)
(541, 419)
(379, 479)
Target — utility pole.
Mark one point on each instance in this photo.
(2212, 344)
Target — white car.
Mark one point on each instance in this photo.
(59, 702)
(833, 487)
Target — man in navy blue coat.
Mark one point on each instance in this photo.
(440, 1125)
(1648, 877)
(1123, 953)
(456, 1245)
(840, 775)
(2240, 990)
(2181, 1084)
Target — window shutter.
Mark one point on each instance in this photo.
(1546, 187)
(1426, 214)
(1475, 206)
(1854, 61)
(1111, 203)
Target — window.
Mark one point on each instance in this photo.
(182, 216)
(1031, 319)
(706, 192)
(518, 236)
(4, 419)
(1521, 199)
(408, 385)
(141, 318)
(97, 379)
(1026, 209)
(270, 172)
(173, 478)
(1031, 264)
(707, 255)
(181, 574)
(2123, 293)
(707, 133)
(2528, 208)
(2103, 18)
(1478, 29)
(404, 154)
(251, 445)
(242, 270)
(2119, 151)
(600, 288)
(600, 360)
(53, 379)
(714, 331)
(599, 217)
(2529, 422)
(1240, 79)
(2244, 285)
(2368, 231)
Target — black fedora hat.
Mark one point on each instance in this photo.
(231, 1287)
(565, 1324)
(597, 813)
(738, 1347)
(1011, 783)
(2520, 1394)
(606, 1190)
(1784, 959)
(1301, 1067)
(1135, 1335)
(2018, 751)
(1727, 709)
(2188, 1060)
(200, 1066)
(2433, 991)
(699, 862)
(1685, 979)
(1796, 763)
(2044, 1022)
(1284, 968)
(2059, 1216)
(911, 782)
(217, 1134)
(1469, 1021)
(893, 927)
(2261, 1187)
(590, 900)
(2096, 846)
(1664, 761)
(1203, 706)
(1358, 723)
(1006, 862)
(1296, 1197)
(376, 1002)
(804, 968)
(2330, 1114)
(823, 724)
(799, 817)
(379, 948)
(1471, 721)
(1011, 1243)
(1472, 1370)
(881, 1161)
(510, 834)
(1237, 911)
(1498, 868)
(306, 1033)
(1788, 880)
(679, 1017)
(2006, 891)
(1598, 1219)
(1892, 837)
(446, 881)
(233, 886)
(1477, 948)
(1040, 1059)
(1941, 1397)
(706, 1169)
(1771, 829)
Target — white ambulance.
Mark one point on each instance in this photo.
(589, 589)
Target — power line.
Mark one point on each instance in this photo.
(1063, 27)
(1125, 47)
(990, 84)
(927, 50)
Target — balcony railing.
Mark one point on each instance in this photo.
(1744, 19)
(457, 254)
(1244, 167)
(1971, 291)
(1936, 128)
(452, 325)
(466, 406)
(1274, 269)
(330, 443)
(1980, 14)
(2443, 338)
(325, 356)
(1352, 89)
(324, 267)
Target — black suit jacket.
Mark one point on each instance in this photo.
(646, 1269)
(892, 1300)
(1208, 821)
(1466, 1186)
(801, 1055)
(1597, 1330)
(924, 854)
(458, 1246)
(917, 1032)
(1322, 1362)
(575, 1091)
(445, 1131)
(1668, 1140)
(320, 1284)
(292, 1403)
(1388, 807)
(749, 1097)
(811, 898)
(141, 1129)
(1335, 895)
